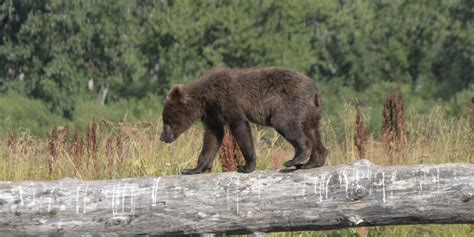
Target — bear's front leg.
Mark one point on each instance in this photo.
(213, 135)
(243, 135)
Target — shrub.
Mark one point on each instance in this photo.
(18, 112)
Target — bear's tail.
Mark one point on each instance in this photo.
(318, 151)
(317, 102)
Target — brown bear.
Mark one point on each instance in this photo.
(271, 96)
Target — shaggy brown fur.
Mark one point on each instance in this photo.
(278, 97)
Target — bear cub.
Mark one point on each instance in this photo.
(271, 96)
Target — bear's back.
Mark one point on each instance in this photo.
(255, 92)
(257, 81)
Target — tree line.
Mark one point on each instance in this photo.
(61, 52)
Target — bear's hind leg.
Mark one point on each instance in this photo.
(318, 152)
(242, 134)
(294, 134)
(302, 151)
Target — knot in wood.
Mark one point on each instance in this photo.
(465, 196)
(359, 192)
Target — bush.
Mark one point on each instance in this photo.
(21, 113)
(18, 113)
(125, 110)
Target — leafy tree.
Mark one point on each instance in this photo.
(50, 50)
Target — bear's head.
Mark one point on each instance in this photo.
(177, 114)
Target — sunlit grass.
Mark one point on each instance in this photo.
(130, 150)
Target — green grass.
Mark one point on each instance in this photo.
(129, 150)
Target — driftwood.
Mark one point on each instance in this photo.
(360, 194)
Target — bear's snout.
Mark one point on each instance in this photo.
(168, 138)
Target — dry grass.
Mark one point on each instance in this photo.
(114, 150)
(230, 155)
(394, 126)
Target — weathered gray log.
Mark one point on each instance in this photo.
(360, 194)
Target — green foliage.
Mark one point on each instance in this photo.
(50, 50)
(20, 113)
(460, 102)
(125, 110)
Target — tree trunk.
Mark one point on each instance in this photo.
(360, 194)
(103, 94)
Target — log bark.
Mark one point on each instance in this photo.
(359, 194)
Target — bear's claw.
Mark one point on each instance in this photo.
(187, 171)
(244, 169)
(299, 166)
(290, 164)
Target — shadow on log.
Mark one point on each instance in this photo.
(359, 194)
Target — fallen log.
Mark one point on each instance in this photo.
(359, 194)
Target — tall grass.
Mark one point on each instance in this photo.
(115, 150)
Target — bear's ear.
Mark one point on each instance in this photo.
(176, 92)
